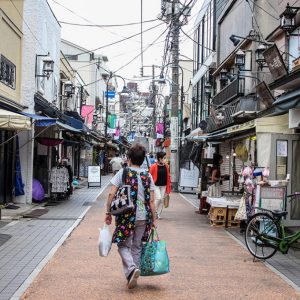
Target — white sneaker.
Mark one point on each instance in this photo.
(132, 281)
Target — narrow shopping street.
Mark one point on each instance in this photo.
(205, 262)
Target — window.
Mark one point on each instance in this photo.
(72, 57)
(7, 72)
(281, 159)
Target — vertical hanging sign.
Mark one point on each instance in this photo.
(174, 133)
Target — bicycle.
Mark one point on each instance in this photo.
(265, 233)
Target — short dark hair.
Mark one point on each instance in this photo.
(160, 155)
(137, 154)
(216, 159)
(117, 154)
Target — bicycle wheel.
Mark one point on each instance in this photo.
(260, 226)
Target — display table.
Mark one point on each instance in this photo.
(223, 210)
(224, 201)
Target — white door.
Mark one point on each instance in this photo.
(285, 159)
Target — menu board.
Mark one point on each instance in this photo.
(272, 198)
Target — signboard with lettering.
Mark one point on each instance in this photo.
(94, 176)
(264, 94)
(189, 177)
(272, 198)
(275, 62)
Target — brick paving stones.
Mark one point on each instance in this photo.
(31, 240)
(205, 262)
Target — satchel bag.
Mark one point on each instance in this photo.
(154, 260)
(122, 201)
(166, 201)
(241, 213)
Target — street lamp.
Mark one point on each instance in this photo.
(48, 66)
(240, 55)
(287, 18)
(124, 90)
(259, 55)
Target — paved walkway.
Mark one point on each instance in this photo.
(27, 244)
(205, 264)
(287, 265)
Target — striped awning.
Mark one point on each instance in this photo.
(13, 121)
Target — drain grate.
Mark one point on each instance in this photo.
(4, 238)
(36, 213)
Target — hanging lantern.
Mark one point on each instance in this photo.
(69, 88)
(223, 77)
(259, 57)
(287, 19)
(240, 58)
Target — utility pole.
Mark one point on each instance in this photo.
(172, 11)
(154, 102)
(174, 102)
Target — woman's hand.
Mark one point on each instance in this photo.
(154, 222)
(108, 219)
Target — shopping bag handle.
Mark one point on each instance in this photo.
(153, 234)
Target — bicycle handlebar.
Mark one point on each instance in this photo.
(292, 195)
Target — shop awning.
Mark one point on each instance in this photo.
(195, 132)
(67, 127)
(13, 121)
(40, 120)
(287, 101)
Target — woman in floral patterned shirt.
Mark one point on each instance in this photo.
(132, 228)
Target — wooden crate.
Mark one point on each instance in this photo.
(217, 217)
(217, 223)
(217, 214)
(233, 223)
(231, 214)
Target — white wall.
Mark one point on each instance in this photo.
(41, 35)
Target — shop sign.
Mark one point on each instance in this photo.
(272, 198)
(94, 175)
(264, 94)
(189, 178)
(275, 62)
(174, 132)
(241, 127)
(296, 64)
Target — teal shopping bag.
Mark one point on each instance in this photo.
(154, 260)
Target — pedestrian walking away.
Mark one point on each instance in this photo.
(116, 163)
(161, 176)
(134, 226)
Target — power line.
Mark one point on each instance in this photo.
(255, 4)
(119, 41)
(143, 51)
(111, 25)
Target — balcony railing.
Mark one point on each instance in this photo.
(247, 103)
(233, 90)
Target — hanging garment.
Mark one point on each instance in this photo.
(59, 179)
(19, 185)
(196, 155)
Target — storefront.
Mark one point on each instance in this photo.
(262, 143)
(10, 124)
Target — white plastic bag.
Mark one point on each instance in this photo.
(104, 241)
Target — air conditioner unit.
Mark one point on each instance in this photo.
(246, 107)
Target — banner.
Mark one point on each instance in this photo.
(86, 113)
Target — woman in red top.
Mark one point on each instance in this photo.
(161, 177)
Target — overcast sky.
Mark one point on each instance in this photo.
(120, 12)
